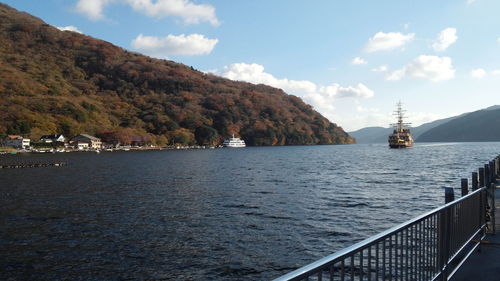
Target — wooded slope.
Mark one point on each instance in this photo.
(54, 81)
(481, 125)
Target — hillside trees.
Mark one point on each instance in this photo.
(206, 135)
(63, 82)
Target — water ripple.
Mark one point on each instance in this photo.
(252, 213)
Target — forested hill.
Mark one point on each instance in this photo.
(54, 81)
(481, 125)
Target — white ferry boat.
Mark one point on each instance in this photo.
(234, 142)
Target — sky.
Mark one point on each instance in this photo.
(351, 60)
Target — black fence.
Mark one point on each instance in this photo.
(430, 247)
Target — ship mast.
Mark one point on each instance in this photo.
(399, 113)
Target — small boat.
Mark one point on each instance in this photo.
(401, 136)
(234, 142)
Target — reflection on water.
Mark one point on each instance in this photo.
(223, 214)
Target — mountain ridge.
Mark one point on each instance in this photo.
(380, 134)
(475, 126)
(54, 81)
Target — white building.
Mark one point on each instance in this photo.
(52, 138)
(82, 145)
(93, 142)
(16, 142)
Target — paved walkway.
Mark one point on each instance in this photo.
(484, 265)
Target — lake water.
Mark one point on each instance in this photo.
(221, 214)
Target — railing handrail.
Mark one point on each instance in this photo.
(332, 258)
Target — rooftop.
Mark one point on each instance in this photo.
(89, 137)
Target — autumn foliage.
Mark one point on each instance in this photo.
(55, 81)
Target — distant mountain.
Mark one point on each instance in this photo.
(420, 133)
(492, 107)
(371, 135)
(54, 81)
(380, 134)
(481, 125)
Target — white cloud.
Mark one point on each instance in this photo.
(189, 12)
(323, 98)
(93, 9)
(337, 91)
(496, 72)
(428, 67)
(396, 75)
(387, 41)
(478, 73)
(352, 122)
(498, 40)
(358, 60)
(445, 38)
(320, 97)
(470, 1)
(254, 73)
(193, 44)
(68, 28)
(360, 108)
(381, 68)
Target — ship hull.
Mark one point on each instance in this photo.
(402, 139)
(400, 145)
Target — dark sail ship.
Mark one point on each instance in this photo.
(401, 136)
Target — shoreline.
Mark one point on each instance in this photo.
(13, 151)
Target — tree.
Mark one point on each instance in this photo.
(182, 136)
(161, 140)
(20, 128)
(120, 136)
(205, 135)
(67, 129)
(99, 87)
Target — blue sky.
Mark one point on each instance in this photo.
(352, 60)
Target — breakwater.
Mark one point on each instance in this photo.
(32, 165)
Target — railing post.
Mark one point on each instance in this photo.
(496, 166)
(482, 217)
(474, 182)
(481, 177)
(487, 179)
(492, 171)
(445, 224)
(493, 208)
(441, 254)
(465, 187)
(444, 242)
(449, 196)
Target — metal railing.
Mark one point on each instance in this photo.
(430, 247)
